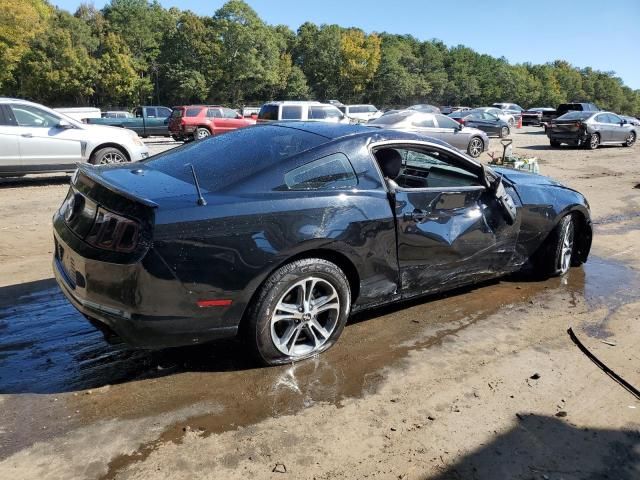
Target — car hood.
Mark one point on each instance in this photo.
(521, 177)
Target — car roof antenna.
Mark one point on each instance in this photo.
(201, 201)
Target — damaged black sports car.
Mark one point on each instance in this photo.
(279, 232)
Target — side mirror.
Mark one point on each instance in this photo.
(63, 125)
(622, 122)
(460, 127)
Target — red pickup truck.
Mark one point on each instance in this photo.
(194, 122)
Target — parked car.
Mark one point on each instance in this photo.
(145, 121)
(294, 226)
(563, 108)
(296, 111)
(533, 116)
(362, 113)
(195, 122)
(37, 139)
(488, 123)
(436, 125)
(631, 120)
(117, 114)
(424, 108)
(510, 108)
(79, 113)
(591, 129)
(507, 117)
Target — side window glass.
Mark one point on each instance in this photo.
(151, 112)
(446, 122)
(28, 116)
(229, 113)
(330, 172)
(292, 112)
(424, 123)
(164, 112)
(601, 118)
(214, 113)
(432, 169)
(6, 116)
(138, 112)
(614, 119)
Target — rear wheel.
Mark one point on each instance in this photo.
(300, 311)
(201, 133)
(476, 147)
(631, 139)
(555, 256)
(504, 132)
(512, 122)
(594, 141)
(108, 155)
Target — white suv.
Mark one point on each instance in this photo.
(300, 111)
(37, 139)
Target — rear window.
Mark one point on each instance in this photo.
(234, 157)
(268, 112)
(567, 107)
(193, 112)
(324, 113)
(392, 118)
(575, 115)
(330, 172)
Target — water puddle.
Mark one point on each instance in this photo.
(58, 366)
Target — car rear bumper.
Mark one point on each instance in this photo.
(570, 138)
(144, 309)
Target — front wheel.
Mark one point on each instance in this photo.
(594, 141)
(476, 147)
(300, 311)
(108, 155)
(631, 139)
(555, 256)
(504, 132)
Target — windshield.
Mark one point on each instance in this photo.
(232, 157)
(575, 116)
(392, 118)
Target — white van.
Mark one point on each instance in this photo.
(80, 113)
(301, 111)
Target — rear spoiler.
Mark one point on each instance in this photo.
(93, 172)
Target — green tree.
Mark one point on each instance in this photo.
(20, 22)
(360, 58)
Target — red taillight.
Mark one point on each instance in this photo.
(113, 232)
(460, 120)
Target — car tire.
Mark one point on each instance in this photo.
(277, 338)
(593, 142)
(201, 133)
(475, 147)
(107, 156)
(557, 253)
(631, 139)
(504, 132)
(554, 143)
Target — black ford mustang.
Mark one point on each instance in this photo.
(278, 232)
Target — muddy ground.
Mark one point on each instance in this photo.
(481, 383)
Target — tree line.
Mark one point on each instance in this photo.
(137, 52)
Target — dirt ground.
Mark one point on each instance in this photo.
(481, 383)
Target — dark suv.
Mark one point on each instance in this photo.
(576, 107)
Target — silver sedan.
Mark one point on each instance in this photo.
(469, 140)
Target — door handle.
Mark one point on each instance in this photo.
(416, 215)
(27, 135)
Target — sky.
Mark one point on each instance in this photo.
(604, 35)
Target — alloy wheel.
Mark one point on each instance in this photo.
(631, 139)
(566, 249)
(202, 133)
(305, 317)
(112, 157)
(475, 147)
(504, 132)
(594, 141)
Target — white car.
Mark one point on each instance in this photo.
(501, 114)
(37, 139)
(362, 113)
(300, 111)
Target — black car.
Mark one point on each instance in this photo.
(591, 129)
(535, 116)
(279, 232)
(488, 123)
